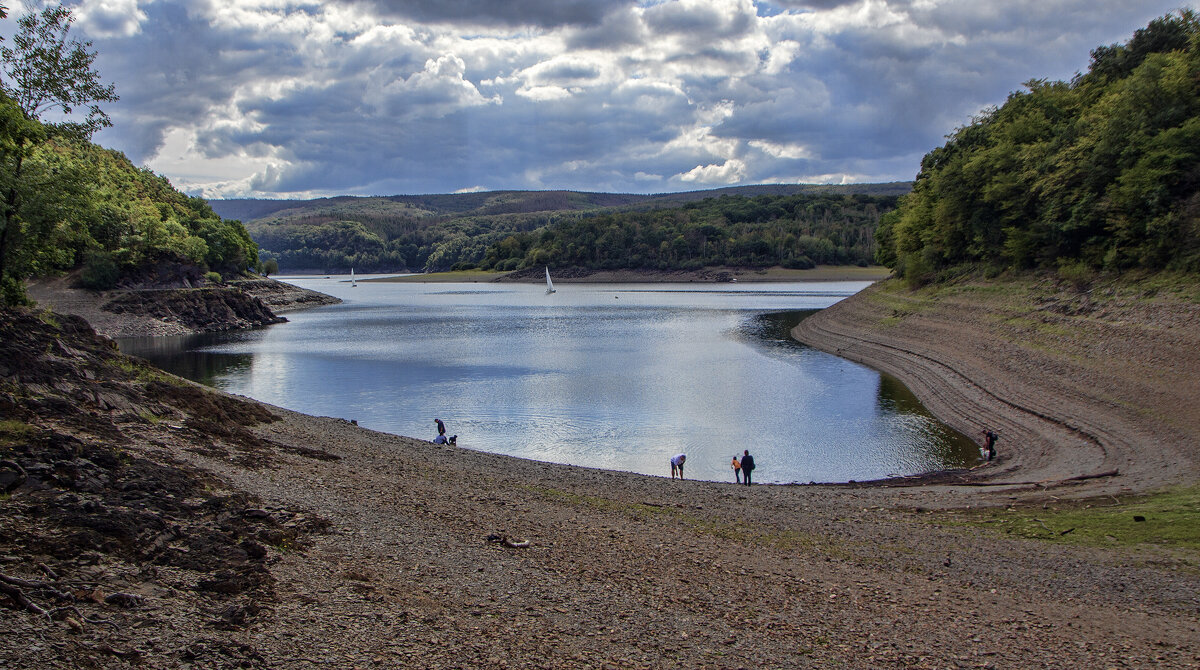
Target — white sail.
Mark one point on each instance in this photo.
(353, 283)
(549, 284)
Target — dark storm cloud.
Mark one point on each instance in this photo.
(250, 97)
(620, 27)
(540, 13)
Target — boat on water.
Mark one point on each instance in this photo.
(549, 284)
(353, 282)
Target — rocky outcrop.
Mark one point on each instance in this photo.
(282, 297)
(139, 312)
(101, 515)
(199, 310)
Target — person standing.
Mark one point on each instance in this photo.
(747, 466)
(677, 465)
(989, 443)
(737, 469)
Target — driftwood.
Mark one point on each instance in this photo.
(510, 543)
(12, 587)
(18, 595)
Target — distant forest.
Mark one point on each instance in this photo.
(795, 226)
(798, 231)
(1096, 175)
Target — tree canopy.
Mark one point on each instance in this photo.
(1098, 174)
(515, 230)
(67, 203)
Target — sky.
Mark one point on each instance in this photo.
(307, 98)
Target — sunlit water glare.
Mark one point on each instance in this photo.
(609, 376)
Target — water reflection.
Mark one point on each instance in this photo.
(191, 356)
(617, 377)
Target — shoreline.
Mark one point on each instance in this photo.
(308, 540)
(1034, 363)
(940, 378)
(156, 312)
(713, 275)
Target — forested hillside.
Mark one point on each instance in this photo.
(1096, 175)
(795, 225)
(66, 203)
(798, 231)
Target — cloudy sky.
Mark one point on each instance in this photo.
(304, 98)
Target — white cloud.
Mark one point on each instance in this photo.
(730, 172)
(266, 97)
(110, 18)
(788, 151)
(437, 90)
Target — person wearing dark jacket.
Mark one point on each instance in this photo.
(747, 466)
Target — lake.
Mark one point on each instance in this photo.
(609, 376)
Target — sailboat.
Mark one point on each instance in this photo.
(353, 283)
(549, 284)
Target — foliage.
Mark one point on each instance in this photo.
(1098, 174)
(47, 70)
(798, 231)
(100, 271)
(212, 277)
(1164, 519)
(512, 230)
(83, 204)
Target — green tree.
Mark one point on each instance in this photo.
(1097, 174)
(45, 70)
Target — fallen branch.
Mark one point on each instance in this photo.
(19, 596)
(34, 584)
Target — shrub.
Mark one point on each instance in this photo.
(100, 271)
(212, 277)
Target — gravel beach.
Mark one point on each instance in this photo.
(374, 550)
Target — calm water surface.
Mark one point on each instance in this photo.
(609, 376)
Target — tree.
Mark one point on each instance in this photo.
(47, 70)
(44, 71)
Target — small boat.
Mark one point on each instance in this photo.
(353, 283)
(549, 284)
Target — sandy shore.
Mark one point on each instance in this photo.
(443, 557)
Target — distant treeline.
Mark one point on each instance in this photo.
(797, 231)
(386, 243)
(1099, 174)
(796, 225)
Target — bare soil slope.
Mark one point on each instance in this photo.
(1078, 384)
